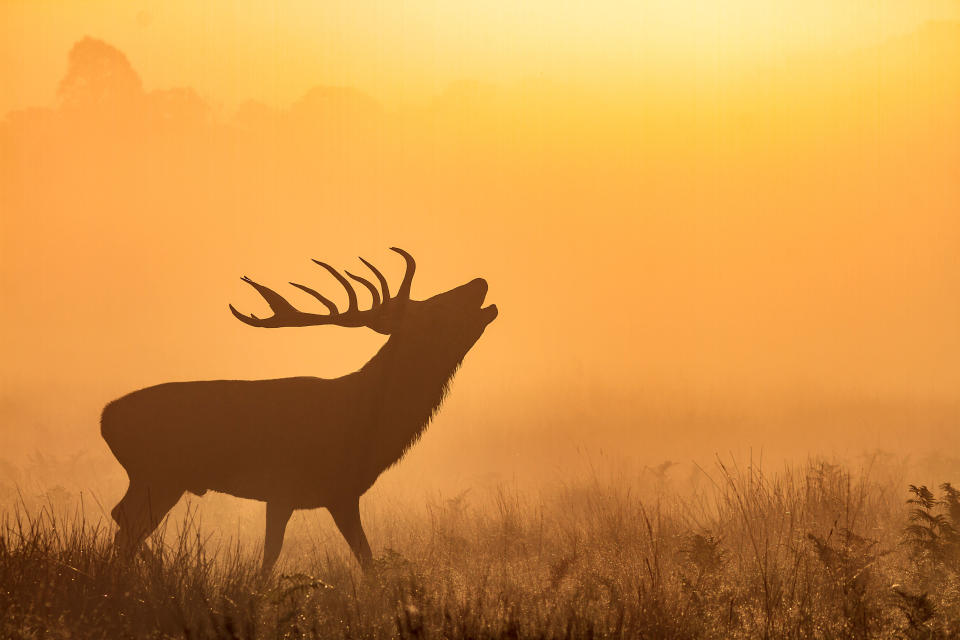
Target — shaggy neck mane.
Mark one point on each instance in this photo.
(412, 382)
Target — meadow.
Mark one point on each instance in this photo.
(815, 550)
(697, 246)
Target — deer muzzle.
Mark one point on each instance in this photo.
(489, 312)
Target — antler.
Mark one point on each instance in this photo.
(286, 315)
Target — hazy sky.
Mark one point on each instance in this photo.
(274, 51)
(669, 200)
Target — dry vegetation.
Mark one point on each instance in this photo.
(813, 551)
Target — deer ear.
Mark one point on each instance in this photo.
(381, 327)
(389, 316)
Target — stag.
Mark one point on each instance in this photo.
(304, 442)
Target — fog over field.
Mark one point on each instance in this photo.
(723, 240)
(762, 257)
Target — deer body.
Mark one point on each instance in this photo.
(295, 443)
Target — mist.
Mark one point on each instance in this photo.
(725, 260)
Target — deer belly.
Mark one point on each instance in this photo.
(302, 483)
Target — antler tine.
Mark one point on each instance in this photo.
(286, 315)
(251, 319)
(374, 293)
(404, 292)
(283, 311)
(329, 304)
(351, 294)
(383, 281)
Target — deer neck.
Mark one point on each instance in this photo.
(410, 380)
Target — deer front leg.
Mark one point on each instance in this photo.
(277, 518)
(140, 512)
(346, 516)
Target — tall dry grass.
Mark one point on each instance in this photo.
(813, 551)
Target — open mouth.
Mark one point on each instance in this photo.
(490, 311)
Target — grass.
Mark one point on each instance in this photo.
(809, 552)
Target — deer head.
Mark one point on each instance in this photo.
(451, 322)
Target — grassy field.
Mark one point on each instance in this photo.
(813, 551)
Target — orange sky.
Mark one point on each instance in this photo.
(731, 200)
(232, 51)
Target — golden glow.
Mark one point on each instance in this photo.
(233, 51)
(735, 197)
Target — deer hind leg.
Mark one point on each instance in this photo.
(346, 516)
(277, 518)
(140, 511)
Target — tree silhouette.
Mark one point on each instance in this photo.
(99, 77)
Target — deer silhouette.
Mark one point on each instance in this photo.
(304, 442)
